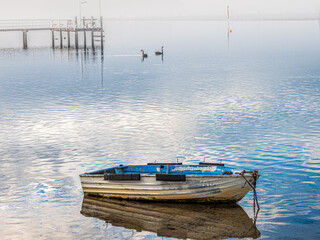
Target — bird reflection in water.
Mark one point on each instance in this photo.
(174, 220)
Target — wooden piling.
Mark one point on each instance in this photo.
(101, 36)
(76, 39)
(76, 33)
(68, 38)
(92, 39)
(25, 39)
(52, 32)
(61, 43)
(84, 39)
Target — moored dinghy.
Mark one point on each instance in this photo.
(206, 182)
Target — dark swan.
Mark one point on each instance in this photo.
(159, 53)
(144, 55)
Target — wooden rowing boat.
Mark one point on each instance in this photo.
(171, 182)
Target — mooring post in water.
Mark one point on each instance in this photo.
(25, 39)
(92, 33)
(92, 39)
(76, 39)
(101, 32)
(68, 38)
(52, 33)
(76, 33)
(61, 45)
(85, 39)
(101, 40)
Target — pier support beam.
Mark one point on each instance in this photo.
(76, 39)
(101, 24)
(85, 39)
(68, 38)
(92, 39)
(61, 40)
(52, 32)
(25, 39)
(101, 36)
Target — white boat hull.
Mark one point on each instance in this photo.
(221, 188)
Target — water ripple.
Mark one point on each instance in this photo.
(63, 113)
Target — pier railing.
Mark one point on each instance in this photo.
(20, 24)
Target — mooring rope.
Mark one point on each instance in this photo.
(253, 187)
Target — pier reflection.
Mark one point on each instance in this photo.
(175, 220)
(85, 57)
(87, 61)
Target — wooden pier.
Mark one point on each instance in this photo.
(58, 27)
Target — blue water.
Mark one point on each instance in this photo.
(251, 101)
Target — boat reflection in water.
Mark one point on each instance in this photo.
(193, 221)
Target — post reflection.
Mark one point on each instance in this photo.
(84, 57)
(174, 220)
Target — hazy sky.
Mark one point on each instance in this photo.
(215, 9)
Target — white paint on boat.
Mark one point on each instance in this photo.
(226, 188)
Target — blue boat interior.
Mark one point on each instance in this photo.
(174, 169)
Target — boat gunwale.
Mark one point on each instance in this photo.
(235, 175)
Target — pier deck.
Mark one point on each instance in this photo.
(67, 25)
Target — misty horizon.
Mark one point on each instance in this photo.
(164, 9)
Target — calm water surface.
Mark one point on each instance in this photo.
(251, 101)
